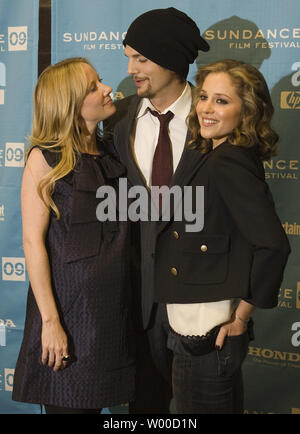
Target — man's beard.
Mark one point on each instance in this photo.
(145, 93)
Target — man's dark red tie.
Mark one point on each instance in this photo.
(162, 167)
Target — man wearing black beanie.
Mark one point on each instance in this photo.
(160, 45)
(167, 37)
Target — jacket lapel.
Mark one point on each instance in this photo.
(125, 127)
(190, 162)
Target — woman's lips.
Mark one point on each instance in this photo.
(108, 102)
(206, 122)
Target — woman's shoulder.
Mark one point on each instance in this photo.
(36, 165)
(235, 157)
(227, 151)
(39, 154)
(36, 160)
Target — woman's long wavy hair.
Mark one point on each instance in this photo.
(57, 123)
(257, 109)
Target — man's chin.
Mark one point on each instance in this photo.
(143, 93)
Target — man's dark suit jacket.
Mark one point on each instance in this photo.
(241, 251)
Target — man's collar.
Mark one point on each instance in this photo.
(180, 107)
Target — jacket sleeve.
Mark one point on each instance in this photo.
(239, 180)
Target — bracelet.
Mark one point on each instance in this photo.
(245, 321)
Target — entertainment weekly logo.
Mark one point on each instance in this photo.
(181, 203)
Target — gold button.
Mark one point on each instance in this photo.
(174, 271)
(203, 248)
(175, 235)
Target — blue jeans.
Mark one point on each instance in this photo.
(211, 383)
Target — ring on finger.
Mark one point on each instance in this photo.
(65, 358)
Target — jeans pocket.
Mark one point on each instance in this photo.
(232, 354)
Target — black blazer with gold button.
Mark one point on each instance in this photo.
(242, 249)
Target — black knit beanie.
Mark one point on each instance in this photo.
(167, 37)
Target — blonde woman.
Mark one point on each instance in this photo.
(75, 353)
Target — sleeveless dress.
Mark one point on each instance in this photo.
(90, 271)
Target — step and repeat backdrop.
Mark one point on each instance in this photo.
(265, 34)
(18, 74)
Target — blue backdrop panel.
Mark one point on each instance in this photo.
(267, 35)
(18, 72)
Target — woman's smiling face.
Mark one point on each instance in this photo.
(219, 108)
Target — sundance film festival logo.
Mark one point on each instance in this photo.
(97, 40)
(256, 38)
(289, 298)
(281, 169)
(185, 203)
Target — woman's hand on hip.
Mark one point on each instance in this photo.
(233, 328)
(238, 323)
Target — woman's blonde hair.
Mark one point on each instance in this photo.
(57, 123)
(257, 108)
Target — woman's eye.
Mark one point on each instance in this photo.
(222, 101)
(203, 97)
(93, 86)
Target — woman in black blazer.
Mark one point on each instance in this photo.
(212, 280)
